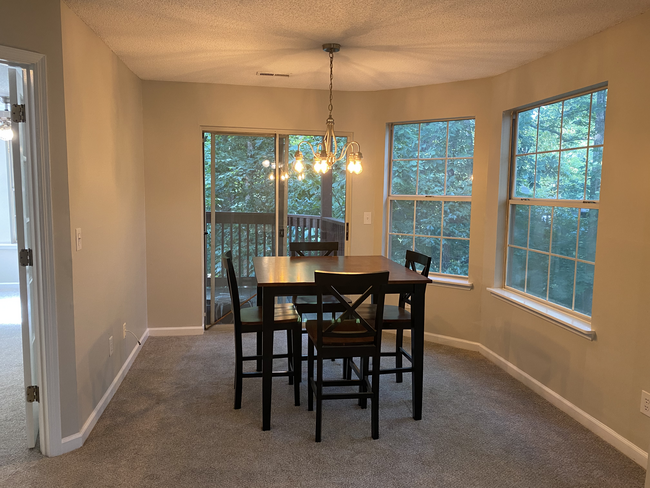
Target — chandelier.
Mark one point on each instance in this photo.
(326, 153)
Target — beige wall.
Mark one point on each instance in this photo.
(604, 377)
(103, 102)
(35, 25)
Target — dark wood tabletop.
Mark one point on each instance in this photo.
(285, 270)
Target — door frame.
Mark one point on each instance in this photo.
(39, 198)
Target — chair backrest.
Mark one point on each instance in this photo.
(226, 261)
(362, 284)
(323, 248)
(413, 258)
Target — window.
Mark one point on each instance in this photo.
(553, 213)
(430, 192)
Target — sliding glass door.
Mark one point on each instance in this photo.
(256, 203)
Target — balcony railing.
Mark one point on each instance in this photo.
(249, 235)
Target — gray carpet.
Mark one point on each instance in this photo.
(171, 424)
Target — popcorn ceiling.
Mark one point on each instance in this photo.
(385, 43)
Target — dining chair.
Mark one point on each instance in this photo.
(398, 318)
(348, 336)
(249, 320)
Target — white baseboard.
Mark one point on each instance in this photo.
(631, 450)
(175, 331)
(77, 440)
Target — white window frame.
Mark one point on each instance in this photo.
(445, 279)
(576, 321)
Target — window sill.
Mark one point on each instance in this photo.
(561, 319)
(448, 282)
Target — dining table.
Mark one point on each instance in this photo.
(286, 276)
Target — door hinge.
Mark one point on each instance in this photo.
(25, 257)
(281, 231)
(32, 394)
(18, 113)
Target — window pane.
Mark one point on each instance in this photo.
(561, 281)
(405, 141)
(525, 176)
(456, 219)
(572, 174)
(430, 247)
(401, 216)
(459, 177)
(403, 182)
(537, 278)
(433, 140)
(527, 131)
(546, 175)
(588, 233)
(598, 104)
(540, 228)
(428, 218)
(565, 229)
(516, 268)
(399, 244)
(584, 288)
(431, 180)
(593, 173)
(519, 225)
(575, 122)
(550, 123)
(455, 256)
(461, 138)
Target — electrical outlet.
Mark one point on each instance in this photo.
(124, 330)
(367, 218)
(645, 403)
(110, 346)
(77, 238)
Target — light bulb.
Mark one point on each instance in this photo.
(266, 163)
(271, 176)
(351, 167)
(357, 168)
(6, 134)
(299, 167)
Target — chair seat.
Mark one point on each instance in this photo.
(311, 300)
(312, 330)
(392, 314)
(284, 312)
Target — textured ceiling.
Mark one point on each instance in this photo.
(385, 43)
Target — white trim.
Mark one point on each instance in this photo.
(550, 314)
(77, 440)
(8, 247)
(449, 282)
(612, 437)
(175, 331)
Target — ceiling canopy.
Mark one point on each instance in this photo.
(385, 43)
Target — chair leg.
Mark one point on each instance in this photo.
(374, 414)
(239, 370)
(310, 375)
(290, 362)
(259, 351)
(297, 363)
(399, 339)
(364, 364)
(319, 399)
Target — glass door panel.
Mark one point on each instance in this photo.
(240, 212)
(312, 208)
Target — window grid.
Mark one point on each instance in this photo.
(419, 197)
(554, 203)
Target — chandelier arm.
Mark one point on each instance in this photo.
(310, 147)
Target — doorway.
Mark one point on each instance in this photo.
(256, 203)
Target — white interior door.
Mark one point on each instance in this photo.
(24, 234)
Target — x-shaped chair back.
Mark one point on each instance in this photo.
(350, 327)
(323, 248)
(413, 258)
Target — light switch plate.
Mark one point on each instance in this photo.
(367, 218)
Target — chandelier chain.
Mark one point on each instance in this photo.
(330, 106)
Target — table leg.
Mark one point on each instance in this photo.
(267, 360)
(417, 347)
